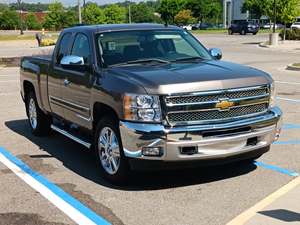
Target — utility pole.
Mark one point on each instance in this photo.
(79, 13)
(20, 16)
(274, 16)
(129, 13)
(83, 10)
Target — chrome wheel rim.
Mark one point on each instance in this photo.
(109, 150)
(32, 114)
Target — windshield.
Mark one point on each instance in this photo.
(158, 45)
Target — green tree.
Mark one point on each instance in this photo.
(141, 13)
(55, 18)
(115, 14)
(69, 18)
(259, 8)
(9, 19)
(93, 14)
(184, 17)
(200, 8)
(31, 22)
(168, 9)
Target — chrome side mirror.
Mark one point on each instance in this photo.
(216, 53)
(70, 60)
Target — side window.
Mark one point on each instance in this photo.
(81, 48)
(63, 47)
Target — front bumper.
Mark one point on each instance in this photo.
(212, 141)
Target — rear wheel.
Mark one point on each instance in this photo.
(39, 122)
(230, 32)
(111, 160)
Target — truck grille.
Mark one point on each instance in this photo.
(216, 114)
(202, 107)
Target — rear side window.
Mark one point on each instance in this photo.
(81, 48)
(63, 47)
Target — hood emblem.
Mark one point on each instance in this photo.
(224, 105)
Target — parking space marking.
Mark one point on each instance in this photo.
(289, 126)
(62, 200)
(276, 169)
(286, 82)
(290, 142)
(288, 99)
(249, 213)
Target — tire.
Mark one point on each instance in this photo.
(254, 33)
(39, 122)
(243, 32)
(112, 163)
(230, 32)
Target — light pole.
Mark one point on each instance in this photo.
(274, 16)
(20, 17)
(79, 13)
(129, 13)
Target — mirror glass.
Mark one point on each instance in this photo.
(216, 53)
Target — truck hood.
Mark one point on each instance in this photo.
(192, 77)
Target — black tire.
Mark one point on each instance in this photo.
(243, 32)
(43, 121)
(254, 33)
(122, 173)
(230, 32)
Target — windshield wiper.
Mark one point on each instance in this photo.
(188, 59)
(141, 61)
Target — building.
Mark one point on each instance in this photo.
(233, 11)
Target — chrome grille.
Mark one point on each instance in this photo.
(212, 115)
(201, 107)
(215, 97)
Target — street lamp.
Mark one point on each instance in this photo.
(20, 16)
(274, 16)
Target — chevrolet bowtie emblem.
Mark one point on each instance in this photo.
(224, 105)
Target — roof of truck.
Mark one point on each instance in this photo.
(119, 27)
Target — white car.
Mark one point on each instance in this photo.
(277, 26)
(296, 25)
(188, 27)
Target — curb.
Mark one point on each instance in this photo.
(11, 61)
(264, 45)
(293, 68)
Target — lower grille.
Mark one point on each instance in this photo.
(213, 115)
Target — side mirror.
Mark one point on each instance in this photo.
(73, 62)
(216, 53)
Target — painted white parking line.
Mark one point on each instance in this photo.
(286, 82)
(65, 202)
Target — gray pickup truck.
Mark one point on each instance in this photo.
(149, 94)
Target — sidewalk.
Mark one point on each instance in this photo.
(286, 46)
(280, 208)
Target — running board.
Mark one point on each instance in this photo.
(71, 136)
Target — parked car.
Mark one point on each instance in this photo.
(296, 25)
(243, 27)
(270, 26)
(187, 27)
(147, 94)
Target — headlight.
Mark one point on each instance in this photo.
(272, 95)
(142, 108)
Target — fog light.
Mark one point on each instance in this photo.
(152, 151)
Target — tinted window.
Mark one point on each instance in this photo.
(63, 47)
(124, 46)
(81, 48)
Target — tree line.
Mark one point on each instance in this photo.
(178, 12)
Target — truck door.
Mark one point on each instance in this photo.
(56, 75)
(77, 84)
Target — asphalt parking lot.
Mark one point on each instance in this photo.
(211, 195)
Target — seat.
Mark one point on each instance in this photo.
(132, 52)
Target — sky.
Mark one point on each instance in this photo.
(68, 2)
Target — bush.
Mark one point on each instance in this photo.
(48, 42)
(291, 34)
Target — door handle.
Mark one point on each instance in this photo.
(66, 82)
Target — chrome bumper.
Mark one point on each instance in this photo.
(265, 128)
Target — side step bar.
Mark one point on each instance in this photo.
(71, 136)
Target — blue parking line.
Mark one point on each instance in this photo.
(288, 126)
(276, 169)
(289, 99)
(290, 142)
(55, 189)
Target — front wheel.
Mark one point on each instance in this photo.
(39, 122)
(110, 157)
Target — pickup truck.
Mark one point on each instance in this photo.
(149, 94)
